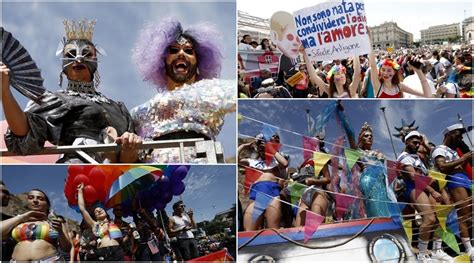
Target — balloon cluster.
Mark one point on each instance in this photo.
(98, 180)
(161, 192)
(93, 179)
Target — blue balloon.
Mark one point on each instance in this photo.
(181, 172)
(178, 188)
(166, 197)
(163, 183)
(160, 205)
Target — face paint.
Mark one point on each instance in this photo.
(181, 62)
(387, 72)
(78, 56)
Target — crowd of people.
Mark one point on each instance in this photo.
(424, 72)
(367, 183)
(41, 235)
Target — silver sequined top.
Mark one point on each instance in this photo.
(199, 107)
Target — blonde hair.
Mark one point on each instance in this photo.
(279, 22)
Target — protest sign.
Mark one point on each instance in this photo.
(333, 30)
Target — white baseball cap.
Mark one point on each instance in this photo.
(326, 62)
(457, 126)
(412, 134)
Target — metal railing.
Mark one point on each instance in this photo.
(212, 151)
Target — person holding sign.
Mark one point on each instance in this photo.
(386, 82)
(337, 86)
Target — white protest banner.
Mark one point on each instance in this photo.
(333, 30)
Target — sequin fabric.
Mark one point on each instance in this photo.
(199, 107)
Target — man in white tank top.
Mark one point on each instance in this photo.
(180, 225)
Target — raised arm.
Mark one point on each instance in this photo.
(356, 77)
(16, 118)
(82, 206)
(424, 83)
(313, 76)
(374, 73)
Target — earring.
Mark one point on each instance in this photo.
(197, 71)
(96, 79)
(60, 79)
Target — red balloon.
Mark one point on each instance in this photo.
(80, 178)
(97, 179)
(87, 169)
(90, 194)
(74, 170)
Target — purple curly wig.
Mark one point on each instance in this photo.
(151, 49)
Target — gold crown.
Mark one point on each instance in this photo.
(82, 29)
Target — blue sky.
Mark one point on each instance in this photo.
(209, 190)
(411, 16)
(39, 27)
(432, 116)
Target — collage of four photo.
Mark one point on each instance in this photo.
(237, 131)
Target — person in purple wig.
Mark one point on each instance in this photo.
(184, 66)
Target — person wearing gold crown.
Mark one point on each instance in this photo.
(191, 101)
(78, 115)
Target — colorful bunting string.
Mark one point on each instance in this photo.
(449, 239)
(310, 145)
(351, 156)
(251, 175)
(261, 202)
(320, 159)
(298, 134)
(421, 182)
(271, 148)
(312, 222)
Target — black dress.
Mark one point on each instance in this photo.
(70, 117)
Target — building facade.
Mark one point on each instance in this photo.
(389, 35)
(468, 29)
(440, 33)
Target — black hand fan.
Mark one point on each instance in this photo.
(25, 76)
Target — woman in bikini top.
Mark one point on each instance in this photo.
(38, 236)
(107, 233)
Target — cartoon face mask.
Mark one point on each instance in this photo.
(79, 55)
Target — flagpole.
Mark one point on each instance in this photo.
(467, 133)
(307, 122)
(389, 133)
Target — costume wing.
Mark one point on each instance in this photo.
(25, 76)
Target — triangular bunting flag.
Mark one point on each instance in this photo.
(452, 222)
(449, 239)
(296, 190)
(251, 175)
(442, 212)
(407, 225)
(320, 159)
(342, 203)
(464, 258)
(312, 222)
(440, 177)
(239, 118)
(310, 145)
(271, 148)
(392, 171)
(351, 157)
(268, 131)
(261, 203)
(421, 182)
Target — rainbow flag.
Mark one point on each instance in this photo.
(114, 231)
